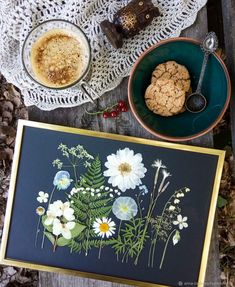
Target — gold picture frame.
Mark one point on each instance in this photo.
(20, 132)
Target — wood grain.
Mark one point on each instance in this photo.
(228, 11)
(127, 125)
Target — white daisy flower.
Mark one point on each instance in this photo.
(42, 197)
(106, 188)
(102, 187)
(104, 227)
(176, 201)
(92, 190)
(111, 195)
(99, 194)
(181, 221)
(83, 192)
(63, 228)
(97, 190)
(187, 189)
(88, 188)
(119, 193)
(125, 169)
(92, 194)
(40, 210)
(171, 208)
(116, 190)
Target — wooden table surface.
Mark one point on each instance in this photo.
(127, 125)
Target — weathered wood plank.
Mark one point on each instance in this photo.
(125, 124)
(228, 11)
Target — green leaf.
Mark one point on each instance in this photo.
(63, 241)
(50, 237)
(77, 230)
(221, 202)
(47, 227)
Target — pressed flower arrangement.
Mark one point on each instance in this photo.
(98, 213)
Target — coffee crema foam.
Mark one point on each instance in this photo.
(59, 58)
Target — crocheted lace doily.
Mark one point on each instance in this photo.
(109, 66)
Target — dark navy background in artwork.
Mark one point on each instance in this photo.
(36, 173)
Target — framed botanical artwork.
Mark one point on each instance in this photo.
(110, 207)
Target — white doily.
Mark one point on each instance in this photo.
(109, 66)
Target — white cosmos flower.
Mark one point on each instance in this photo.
(63, 228)
(181, 221)
(104, 227)
(42, 197)
(125, 169)
(176, 201)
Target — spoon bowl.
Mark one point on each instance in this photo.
(196, 103)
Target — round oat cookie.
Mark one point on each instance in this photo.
(174, 71)
(165, 98)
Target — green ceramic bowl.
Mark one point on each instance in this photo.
(216, 88)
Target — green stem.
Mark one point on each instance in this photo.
(119, 229)
(164, 251)
(44, 229)
(101, 112)
(138, 203)
(55, 244)
(150, 250)
(153, 252)
(100, 249)
(75, 174)
(163, 211)
(37, 231)
(125, 254)
(152, 204)
(88, 231)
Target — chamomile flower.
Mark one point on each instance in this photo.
(104, 227)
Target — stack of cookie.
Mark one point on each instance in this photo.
(169, 86)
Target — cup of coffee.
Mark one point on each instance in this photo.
(57, 55)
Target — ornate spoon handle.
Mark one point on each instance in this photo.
(203, 69)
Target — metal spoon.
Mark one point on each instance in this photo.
(196, 102)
